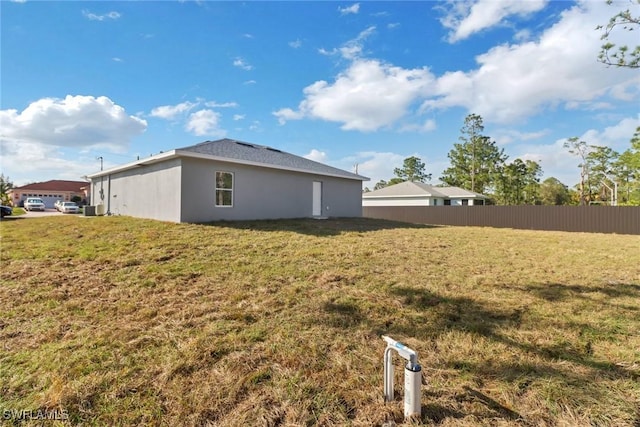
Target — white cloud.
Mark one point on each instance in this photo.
(93, 17)
(353, 9)
(241, 63)
(286, 114)
(295, 44)
(33, 142)
(512, 82)
(466, 18)
(428, 126)
(616, 137)
(316, 156)
(237, 117)
(204, 122)
(75, 121)
(323, 51)
(559, 69)
(557, 162)
(214, 104)
(353, 48)
(249, 82)
(374, 165)
(170, 112)
(368, 96)
(24, 161)
(508, 136)
(116, 59)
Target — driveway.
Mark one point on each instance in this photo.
(35, 214)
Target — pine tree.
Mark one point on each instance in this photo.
(476, 161)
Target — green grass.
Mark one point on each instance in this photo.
(120, 321)
(18, 211)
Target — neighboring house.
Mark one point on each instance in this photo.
(49, 192)
(420, 194)
(226, 180)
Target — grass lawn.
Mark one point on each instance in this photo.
(121, 321)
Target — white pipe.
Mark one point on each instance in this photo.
(412, 395)
(404, 351)
(388, 375)
(412, 377)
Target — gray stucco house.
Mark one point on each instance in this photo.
(226, 180)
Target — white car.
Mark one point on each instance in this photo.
(57, 204)
(68, 207)
(34, 204)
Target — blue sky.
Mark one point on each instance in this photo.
(345, 83)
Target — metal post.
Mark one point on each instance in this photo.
(412, 377)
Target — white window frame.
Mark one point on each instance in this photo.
(231, 190)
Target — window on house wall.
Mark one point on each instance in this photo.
(224, 189)
(465, 202)
(447, 202)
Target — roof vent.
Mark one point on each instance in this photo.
(273, 149)
(245, 144)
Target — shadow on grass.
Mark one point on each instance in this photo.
(434, 314)
(467, 315)
(319, 227)
(559, 292)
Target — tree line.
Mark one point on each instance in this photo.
(477, 164)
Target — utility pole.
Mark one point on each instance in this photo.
(101, 179)
(614, 192)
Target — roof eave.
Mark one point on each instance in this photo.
(132, 165)
(184, 153)
(195, 155)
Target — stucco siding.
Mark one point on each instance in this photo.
(262, 193)
(397, 201)
(151, 191)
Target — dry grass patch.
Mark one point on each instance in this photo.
(120, 321)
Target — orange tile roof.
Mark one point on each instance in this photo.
(55, 185)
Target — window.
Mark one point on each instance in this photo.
(224, 189)
(447, 202)
(465, 202)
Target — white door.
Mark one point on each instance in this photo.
(317, 198)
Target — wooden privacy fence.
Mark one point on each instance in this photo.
(590, 219)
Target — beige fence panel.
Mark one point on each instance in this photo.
(590, 219)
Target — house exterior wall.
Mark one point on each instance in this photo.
(413, 201)
(151, 191)
(397, 201)
(263, 193)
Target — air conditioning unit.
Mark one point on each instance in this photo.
(89, 210)
(99, 209)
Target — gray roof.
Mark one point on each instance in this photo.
(230, 150)
(420, 189)
(245, 152)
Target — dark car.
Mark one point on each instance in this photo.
(5, 211)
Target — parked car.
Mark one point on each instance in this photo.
(69, 207)
(5, 211)
(57, 204)
(34, 204)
